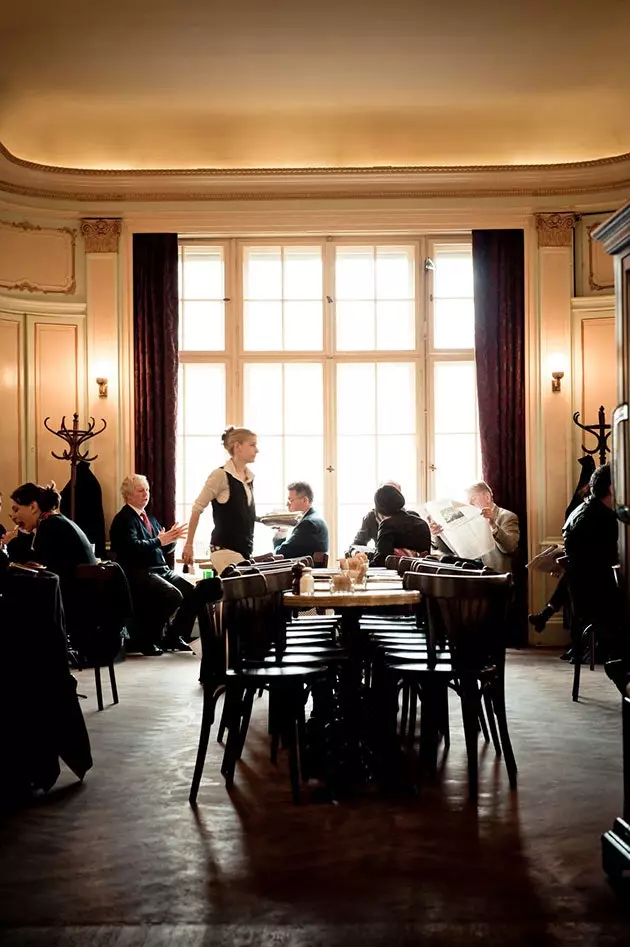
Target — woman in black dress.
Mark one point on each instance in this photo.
(58, 543)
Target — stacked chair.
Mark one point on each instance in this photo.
(247, 649)
(461, 646)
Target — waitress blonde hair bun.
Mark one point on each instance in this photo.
(235, 435)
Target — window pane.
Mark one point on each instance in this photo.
(355, 326)
(453, 274)
(304, 460)
(356, 469)
(397, 461)
(453, 324)
(396, 398)
(263, 399)
(303, 326)
(356, 399)
(203, 326)
(395, 325)
(263, 326)
(456, 463)
(202, 399)
(263, 273)
(455, 397)
(269, 485)
(354, 273)
(303, 273)
(202, 273)
(303, 399)
(394, 273)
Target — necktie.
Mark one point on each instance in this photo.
(146, 522)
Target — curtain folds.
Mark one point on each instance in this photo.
(499, 291)
(155, 328)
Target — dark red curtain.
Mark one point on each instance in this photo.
(155, 326)
(499, 289)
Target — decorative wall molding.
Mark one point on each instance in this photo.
(40, 307)
(46, 182)
(601, 274)
(101, 234)
(37, 259)
(555, 230)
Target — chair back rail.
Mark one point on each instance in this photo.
(466, 613)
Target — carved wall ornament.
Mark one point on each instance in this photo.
(101, 234)
(555, 230)
(601, 276)
(36, 259)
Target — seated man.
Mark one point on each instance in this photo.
(139, 543)
(399, 529)
(371, 522)
(310, 535)
(590, 544)
(503, 525)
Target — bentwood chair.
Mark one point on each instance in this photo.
(469, 613)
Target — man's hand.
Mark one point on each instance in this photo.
(168, 536)
(486, 512)
(280, 533)
(435, 528)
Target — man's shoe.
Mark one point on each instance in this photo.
(152, 650)
(568, 655)
(177, 644)
(539, 619)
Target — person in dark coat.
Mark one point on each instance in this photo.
(591, 548)
(310, 535)
(399, 528)
(140, 544)
(88, 506)
(59, 544)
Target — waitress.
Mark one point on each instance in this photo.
(230, 490)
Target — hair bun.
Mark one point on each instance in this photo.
(227, 433)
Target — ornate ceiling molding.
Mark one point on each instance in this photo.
(555, 230)
(46, 182)
(101, 234)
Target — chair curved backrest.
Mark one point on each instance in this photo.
(98, 607)
(469, 611)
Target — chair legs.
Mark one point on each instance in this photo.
(207, 719)
(99, 687)
(469, 693)
(498, 703)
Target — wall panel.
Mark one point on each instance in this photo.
(11, 414)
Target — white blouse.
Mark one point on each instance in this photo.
(217, 486)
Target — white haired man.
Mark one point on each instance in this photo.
(140, 543)
(503, 525)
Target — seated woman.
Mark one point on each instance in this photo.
(58, 543)
(399, 529)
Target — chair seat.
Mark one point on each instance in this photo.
(274, 671)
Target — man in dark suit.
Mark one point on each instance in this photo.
(310, 535)
(400, 531)
(140, 544)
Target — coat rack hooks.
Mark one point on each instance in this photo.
(601, 431)
(74, 437)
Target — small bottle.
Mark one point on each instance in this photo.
(296, 575)
(307, 582)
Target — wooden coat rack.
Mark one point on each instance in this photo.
(75, 438)
(601, 431)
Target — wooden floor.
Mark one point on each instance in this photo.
(122, 860)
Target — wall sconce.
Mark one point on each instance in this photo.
(102, 387)
(556, 381)
(557, 365)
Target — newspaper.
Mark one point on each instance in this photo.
(547, 560)
(464, 529)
